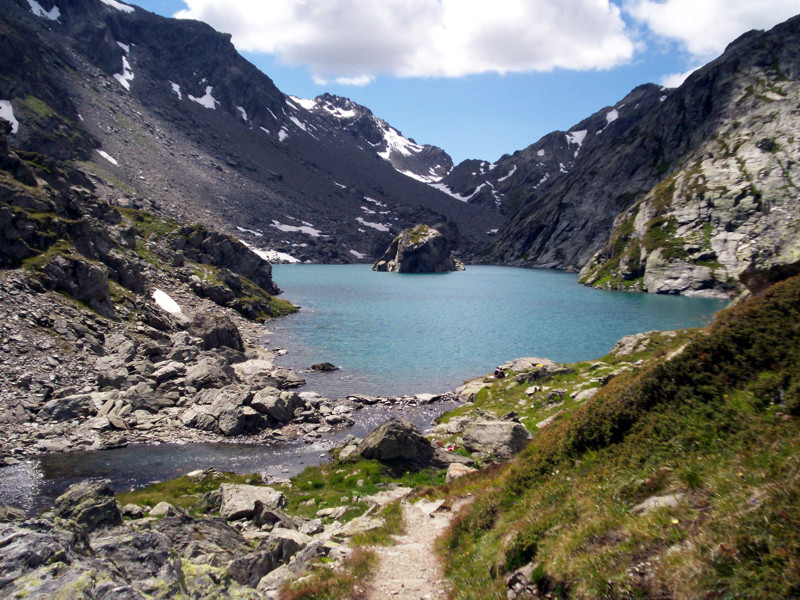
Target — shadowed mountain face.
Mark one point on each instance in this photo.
(167, 116)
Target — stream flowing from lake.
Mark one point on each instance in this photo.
(390, 334)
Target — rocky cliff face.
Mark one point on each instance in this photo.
(714, 159)
(421, 249)
(729, 207)
(167, 116)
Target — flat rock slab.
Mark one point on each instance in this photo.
(238, 501)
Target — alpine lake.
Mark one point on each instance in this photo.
(390, 335)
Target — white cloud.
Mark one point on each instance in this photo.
(705, 27)
(352, 41)
(674, 80)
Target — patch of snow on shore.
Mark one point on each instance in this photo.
(126, 76)
(118, 5)
(177, 89)
(378, 226)
(272, 256)
(357, 254)
(163, 300)
(308, 229)
(7, 112)
(51, 15)
(108, 157)
(208, 100)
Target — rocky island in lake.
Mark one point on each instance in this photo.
(421, 249)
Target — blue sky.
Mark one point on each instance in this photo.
(478, 80)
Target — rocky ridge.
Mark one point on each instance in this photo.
(692, 185)
(729, 209)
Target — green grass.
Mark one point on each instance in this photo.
(324, 486)
(183, 492)
(717, 423)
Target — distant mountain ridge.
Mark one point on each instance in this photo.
(189, 128)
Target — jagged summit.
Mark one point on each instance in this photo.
(424, 163)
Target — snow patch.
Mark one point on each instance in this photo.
(373, 201)
(540, 152)
(272, 256)
(177, 89)
(283, 134)
(51, 15)
(369, 211)
(243, 111)
(357, 254)
(308, 229)
(492, 231)
(509, 174)
(208, 100)
(307, 104)
(7, 112)
(612, 116)
(118, 5)
(255, 233)
(108, 157)
(443, 188)
(576, 137)
(125, 47)
(264, 130)
(396, 142)
(344, 187)
(272, 113)
(163, 300)
(423, 178)
(126, 76)
(299, 123)
(378, 226)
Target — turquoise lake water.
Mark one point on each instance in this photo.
(402, 334)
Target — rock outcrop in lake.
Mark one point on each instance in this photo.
(421, 249)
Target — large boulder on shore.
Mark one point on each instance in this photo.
(91, 504)
(496, 440)
(421, 249)
(399, 443)
(216, 332)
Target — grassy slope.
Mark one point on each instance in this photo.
(716, 423)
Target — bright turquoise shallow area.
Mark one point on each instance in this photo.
(402, 334)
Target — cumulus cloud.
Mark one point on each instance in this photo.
(352, 41)
(705, 27)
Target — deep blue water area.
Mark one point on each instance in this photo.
(395, 334)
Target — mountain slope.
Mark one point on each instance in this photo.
(564, 192)
(729, 207)
(192, 129)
